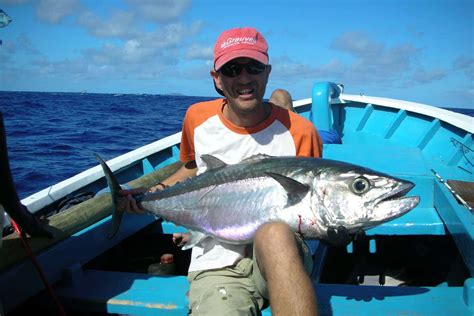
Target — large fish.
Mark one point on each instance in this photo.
(313, 196)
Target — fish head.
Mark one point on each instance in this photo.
(358, 198)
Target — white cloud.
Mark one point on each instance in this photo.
(373, 60)
(199, 52)
(427, 76)
(465, 64)
(159, 10)
(136, 50)
(150, 55)
(25, 44)
(119, 25)
(52, 11)
(367, 62)
(358, 44)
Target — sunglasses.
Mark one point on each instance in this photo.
(233, 69)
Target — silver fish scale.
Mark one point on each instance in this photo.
(303, 168)
(231, 211)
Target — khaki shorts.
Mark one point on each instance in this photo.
(235, 290)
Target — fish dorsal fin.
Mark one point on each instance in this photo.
(294, 189)
(256, 157)
(212, 162)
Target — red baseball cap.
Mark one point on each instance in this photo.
(240, 42)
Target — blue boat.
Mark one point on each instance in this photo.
(419, 264)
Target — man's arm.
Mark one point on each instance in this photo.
(189, 169)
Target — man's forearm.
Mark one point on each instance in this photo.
(188, 170)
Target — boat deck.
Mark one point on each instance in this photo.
(117, 292)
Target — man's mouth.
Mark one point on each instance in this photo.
(245, 92)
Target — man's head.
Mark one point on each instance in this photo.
(241, 66)
(240, 42)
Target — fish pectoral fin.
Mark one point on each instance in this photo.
(212, 162)
(294, 189)
(194, 238)
(208, 190)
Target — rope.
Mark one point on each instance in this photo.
(38, 268)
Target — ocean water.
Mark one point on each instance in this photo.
(53, 136)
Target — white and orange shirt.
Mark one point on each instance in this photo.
(207, 131)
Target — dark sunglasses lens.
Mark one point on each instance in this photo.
(255, 68)
(234, 69)
(231, 69)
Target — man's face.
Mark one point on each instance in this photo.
(244, 87)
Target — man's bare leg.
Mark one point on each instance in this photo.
(289, 287)
(282, 98)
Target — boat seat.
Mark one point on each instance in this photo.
(126, 293)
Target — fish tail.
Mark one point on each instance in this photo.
(114, 187)
(9, 197)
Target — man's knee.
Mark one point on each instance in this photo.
(273, 234)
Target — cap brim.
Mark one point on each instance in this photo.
(258, 56)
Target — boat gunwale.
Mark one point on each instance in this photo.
(462, 121)
(37, 201)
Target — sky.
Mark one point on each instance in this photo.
(415, 50)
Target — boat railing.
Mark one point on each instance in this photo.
(57, 191)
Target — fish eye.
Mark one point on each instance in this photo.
(360, 185)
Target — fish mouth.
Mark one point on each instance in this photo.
(398, 193)
(394, 204)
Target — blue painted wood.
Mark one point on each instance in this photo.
(369, 109)
(468, 294)
(142, 294)
(464, 156)
(459, 222)
(172, 157)
(337, 299)
(147, 166)
(321, 114)
(397, 121)
(126, 293)
(77, 249)
(429, 134)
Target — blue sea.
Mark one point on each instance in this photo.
(53, 136)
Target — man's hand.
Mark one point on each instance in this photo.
(180, 239)
(128, 202)
(340, 236)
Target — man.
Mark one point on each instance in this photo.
(236, 279)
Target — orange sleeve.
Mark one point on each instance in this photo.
(186, 148)
(308, 143)
(195, 116)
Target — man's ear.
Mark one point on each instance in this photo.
(269, 69)
(215, 77)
